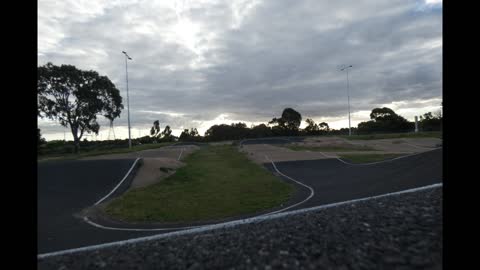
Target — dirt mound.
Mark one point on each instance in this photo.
(154, 170)
(259, 153)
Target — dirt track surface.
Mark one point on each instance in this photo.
(153, 160)
(150, 172)
(413, 145)
(258, 152)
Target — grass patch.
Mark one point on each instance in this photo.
(367, 158)
(103, 152)
(430, 134)
(329, 148)
(217, 182)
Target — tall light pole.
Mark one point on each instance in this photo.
(348, 95)
(128, 99)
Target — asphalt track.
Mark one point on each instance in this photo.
(65, 188)
(334, 181)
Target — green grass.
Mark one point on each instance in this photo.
(103, 152)
(329, 148)
(366, 158)
(217, 182)
(431, 134)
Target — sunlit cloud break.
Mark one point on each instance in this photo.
(197, 63)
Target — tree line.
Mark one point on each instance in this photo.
(382, 120)
(75, 98)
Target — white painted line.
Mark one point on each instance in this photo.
(226, 224)
(201, 226)
(135, 229)
(383, 161)
(189, 227)
(300, 183)
(179, 156)
(115, 188)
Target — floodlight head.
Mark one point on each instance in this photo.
(124, 52)
(129, 58)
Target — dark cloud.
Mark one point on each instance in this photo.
(251, 59)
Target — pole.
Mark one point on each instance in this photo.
(416, 124)
(128, 104)
(348, 95)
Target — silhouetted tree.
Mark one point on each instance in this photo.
(382, 114)
(75, 97)
(155, 130)
(227, 132)
(260, 131)
(40, 141)
(39, 137)
(324, 126)
(288, 123)
(189, 135)
(167, 132)
(311, 127)
(385, 120)
(429, 122)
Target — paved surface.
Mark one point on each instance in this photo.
(334, 181)
(396, 232)
(67, 187)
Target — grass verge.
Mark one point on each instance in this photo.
(367, 158)
(103, 152)
(217, 182)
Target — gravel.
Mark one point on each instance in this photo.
(395, 232)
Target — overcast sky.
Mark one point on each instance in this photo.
(199, 63)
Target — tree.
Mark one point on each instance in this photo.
(227, 132)
(75, 97)
(324, 126)
(379, 114)
(155, 130)
(259, 131)
(311, 127)
(40, 140)
(189, 135)
(385, 120)
(239, 125)
(429, 122)
(167, 132)
(289, 122)
(193, 132)
(428, 116)
(292, 118)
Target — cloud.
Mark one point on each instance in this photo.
(197, 60)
